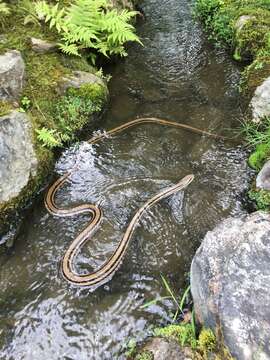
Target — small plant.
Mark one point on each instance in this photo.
(49, 138)
(207, 341)
(5, 107)
(261, 197)
(90, 24)
(259, 156)
(178, 303)
(183, 333)
(71, 112)
(27, 10)
(25, 103)
(145, 355)
(130, 348)
(257, 135)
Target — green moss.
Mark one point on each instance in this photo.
(255, 74)
(251, 42)
(95, 92)
(183, 333)
(145, 355)
(207, 341)
(5, 107)
(261, 197)
(77, 63)
(221, 16)
(45, 106)
(259, 156)
(253, 39)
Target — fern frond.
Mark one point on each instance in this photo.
(90, 24)
(49, 138)
(69, 49)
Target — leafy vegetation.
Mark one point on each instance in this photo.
(71, 113)
(220, 17)
(179, 304)
(261, 197)
(248, 39)
(5, 108)
(184, 334)
(55, 118)
(183, 331)
(257, 136)
(207, 341)
(49, 138)
(90, 24)
(145, 355)
(4, 12)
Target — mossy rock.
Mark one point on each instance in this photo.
(259, 156)
(46, 106)
(261, 198)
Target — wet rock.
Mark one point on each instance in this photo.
(79, 78)
(18, 162)
(42, 46)
(230, 284)
(242, 21)
(160, 349)
(263, 178)
(260, 103)
(12, 72)
(123, 4)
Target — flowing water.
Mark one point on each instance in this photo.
(178, 76)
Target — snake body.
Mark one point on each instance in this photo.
(105, 272)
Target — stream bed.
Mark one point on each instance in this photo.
(178, 76)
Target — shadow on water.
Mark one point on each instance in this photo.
(176, 76)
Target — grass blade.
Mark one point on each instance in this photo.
(184, 298)
(167, 286)
(152, 302)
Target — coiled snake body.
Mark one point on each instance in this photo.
(107, 270)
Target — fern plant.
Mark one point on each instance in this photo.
(49, 138)
(90, 24)
(27, 9)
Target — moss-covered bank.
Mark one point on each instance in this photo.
(181, 341)
(56, 116)
(243, 26)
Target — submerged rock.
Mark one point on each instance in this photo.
(42, 46)
(12, 71)
(260, 103)
(230, 284)
(263, 178)
(18, 162)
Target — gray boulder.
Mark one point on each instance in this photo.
(160, 349)
(260, 103)
(230, 284)
(12, 72)
(263, 178)
(18, 162)
(79, 78)
(42, 46)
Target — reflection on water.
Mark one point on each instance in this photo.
(176, 76)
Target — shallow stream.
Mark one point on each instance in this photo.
(178, 76)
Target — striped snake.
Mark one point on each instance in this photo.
(105, 272)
